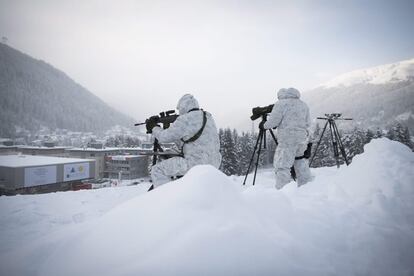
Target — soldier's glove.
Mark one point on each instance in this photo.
(261, 125)
(151, 123)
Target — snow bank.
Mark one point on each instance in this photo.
(199, 224)
(358, 220)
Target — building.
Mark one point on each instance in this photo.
(95, 151)
(43, 150)
(48, 149)
(98, 154)
(37, 174)
(126, 166)
(6, 142)
(8, 150)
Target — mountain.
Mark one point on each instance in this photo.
(374, 97)
(34, 93)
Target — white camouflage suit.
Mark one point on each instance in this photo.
(291, 117)
(205, 150)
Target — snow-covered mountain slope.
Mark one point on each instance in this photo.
(383, 74)
(374, 97)
(358, 220)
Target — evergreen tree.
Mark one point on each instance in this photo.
(324, 156)
(400, 133)
(357, 139)
(369, 135)
(244, 150)
(228, 153)
(316, 133)
(378, 134)
(269, 152)
(235, 136)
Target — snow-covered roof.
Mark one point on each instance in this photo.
(17, 160)
(125, 157)
(8, 147)
(93, 149)
(42, 148)
(102, 150)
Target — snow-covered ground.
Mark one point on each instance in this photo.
(358, 220)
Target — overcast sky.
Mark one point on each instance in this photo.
(141, 56)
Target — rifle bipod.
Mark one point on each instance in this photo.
(157, 148)
(159, 153)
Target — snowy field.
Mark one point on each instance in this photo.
(358, 220)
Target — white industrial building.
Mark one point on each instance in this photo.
(34, 174)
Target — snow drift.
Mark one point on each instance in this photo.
(358, 220)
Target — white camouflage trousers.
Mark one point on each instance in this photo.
(162, 172)
(284, 159)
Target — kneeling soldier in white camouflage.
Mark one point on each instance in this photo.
(196, 133)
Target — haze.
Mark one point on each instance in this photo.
(141, 56)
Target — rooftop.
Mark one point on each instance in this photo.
(17, 161)
(42, 148)
(102, 150)
(8, 147)
(125, 157)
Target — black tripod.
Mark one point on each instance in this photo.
(335, 137)
(261, 140)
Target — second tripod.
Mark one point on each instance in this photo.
(261, 140)
(335, 137)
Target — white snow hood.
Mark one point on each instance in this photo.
(358, 220)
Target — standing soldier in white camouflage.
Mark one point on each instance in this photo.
(291, 117)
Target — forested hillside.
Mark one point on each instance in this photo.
(33, 93)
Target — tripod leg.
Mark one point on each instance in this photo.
(251, 159)
(258, 157)
(341, 145)
(317, 145)
(273, 136)
(334, 144)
